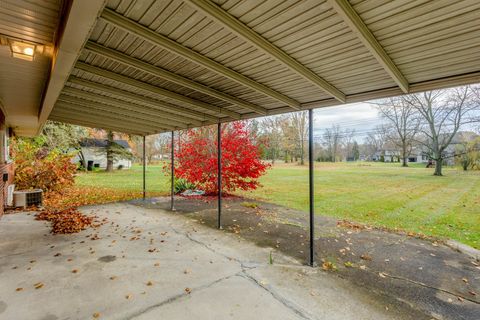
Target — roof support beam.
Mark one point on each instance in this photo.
(159, 40)
(90, 97)
(170, 76)
(355, 22)
(76, 96)
(225, 19)
(79, 23)
(99, 121)
(150, 101)
(130, 114)
(154, 89)
(89, 124)
(108, 118)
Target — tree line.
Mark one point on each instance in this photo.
(428, 121)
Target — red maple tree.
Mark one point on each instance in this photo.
(196, 158)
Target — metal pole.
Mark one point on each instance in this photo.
(219, 173)
(172, 161)
(310, 176)
(144, 165)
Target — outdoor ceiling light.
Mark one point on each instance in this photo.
(22, 50)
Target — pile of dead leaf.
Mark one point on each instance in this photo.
(67, 221)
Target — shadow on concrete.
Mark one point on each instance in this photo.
(423, 274)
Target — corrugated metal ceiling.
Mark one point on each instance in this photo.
(432, 43)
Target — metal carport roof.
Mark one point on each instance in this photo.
(194, 62)
(151, 66)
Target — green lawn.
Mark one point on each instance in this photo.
(374, 193)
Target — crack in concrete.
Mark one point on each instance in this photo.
(287, 303)
(431, 287)
(178, 297)
(189, 237)
(243, 274)
(418, 283)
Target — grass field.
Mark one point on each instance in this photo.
(374, 193)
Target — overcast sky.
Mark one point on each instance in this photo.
(362, 117)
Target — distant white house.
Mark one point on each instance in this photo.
(420, 154)
(95, 154)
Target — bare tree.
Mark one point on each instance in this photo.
(271, 130)
(375, 141)
(288, 137)
(156, 146)
(404, 123)
(443, 112)
(298, 121)
(332, 139)
(348, 141)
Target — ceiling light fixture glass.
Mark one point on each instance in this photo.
(22, 50)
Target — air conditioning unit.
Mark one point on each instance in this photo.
(26, 198)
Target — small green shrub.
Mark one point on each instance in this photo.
(181, 185)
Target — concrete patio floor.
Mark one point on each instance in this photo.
(150, 264)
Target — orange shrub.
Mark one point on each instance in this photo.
(38, 168)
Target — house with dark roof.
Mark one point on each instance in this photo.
(420, 153)
(94, 153)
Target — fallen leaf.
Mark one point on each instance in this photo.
(366, 257)
(327, 265)
(19, 289)
(38, 285)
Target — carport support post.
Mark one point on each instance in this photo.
(172, 163)
(144, 165)
(311, 181)
(219, 173)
